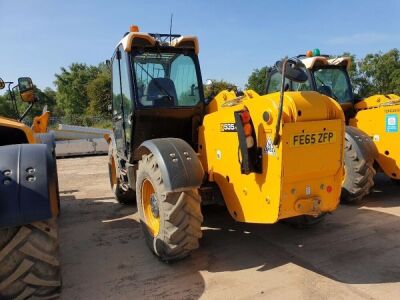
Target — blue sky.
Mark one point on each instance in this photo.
(37, 37)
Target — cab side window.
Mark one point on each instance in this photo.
(116, 87)
(274, 84)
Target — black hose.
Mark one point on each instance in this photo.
(280, 109)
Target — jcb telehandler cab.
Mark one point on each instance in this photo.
(265, 157)
(372, 134)
(29, 204)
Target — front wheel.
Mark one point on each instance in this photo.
(171, 221)
(29, 264)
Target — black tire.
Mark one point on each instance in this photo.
(359, 176)
(305, 221)
(179, 214)
(122, 196)
(57, 184)
(29, 261)
(395, 181)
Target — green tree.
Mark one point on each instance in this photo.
(46, 97)
(6, 107)
(99, 94)
(71, 86)
(381, 73)
(216, 87)
(257, 80)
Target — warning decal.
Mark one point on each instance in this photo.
(392, 123)
(270, 148)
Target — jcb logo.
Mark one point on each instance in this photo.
(228, 127)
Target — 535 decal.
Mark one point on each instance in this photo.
(228, 127)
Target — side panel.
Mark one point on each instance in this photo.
(381, 124)
(28, 189)
(175, 156)
(252, 198)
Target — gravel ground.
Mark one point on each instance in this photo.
(353, 254)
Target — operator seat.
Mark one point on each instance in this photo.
(157, 91)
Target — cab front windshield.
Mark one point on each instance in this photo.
(334, 83)
(166, 79)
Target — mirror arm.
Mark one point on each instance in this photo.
(26, 112)
(280, 109)
(13, 99)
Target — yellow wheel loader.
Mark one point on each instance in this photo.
(372, 133)
(268, 158)
(29, 204)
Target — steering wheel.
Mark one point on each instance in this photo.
(293, 69)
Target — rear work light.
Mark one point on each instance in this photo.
(250, 156)
(247, 128)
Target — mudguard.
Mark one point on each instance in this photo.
(47, 138)
(174, 156)
(28, 188)
(363, 143)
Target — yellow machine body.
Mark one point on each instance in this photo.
(10, 123)
(378, 116)
(300, 175)
(40, 123)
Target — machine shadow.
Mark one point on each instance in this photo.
(355, 246)
(384, 193)
(102, 241)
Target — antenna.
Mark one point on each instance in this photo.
(170, 28)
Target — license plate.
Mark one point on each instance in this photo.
(318, 138)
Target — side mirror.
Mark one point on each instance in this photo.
(293, 69)
(26, 89)
(2, 84)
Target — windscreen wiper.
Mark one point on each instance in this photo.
(323, 83)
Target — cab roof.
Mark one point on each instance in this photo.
(311, 62)
(149, 40)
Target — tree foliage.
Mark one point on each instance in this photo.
(217, 86)
(258, 80)
(72, 85)
(377, 73)
(381, 73)
(99, 94)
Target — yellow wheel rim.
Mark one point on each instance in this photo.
(150, 208)
(344, 175)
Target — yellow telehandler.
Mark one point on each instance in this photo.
(268, 158)
(372, 131)
(29, 204)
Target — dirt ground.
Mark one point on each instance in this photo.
(354, 254)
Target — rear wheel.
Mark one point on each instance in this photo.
(29, 261)
(123, 196)
(171, 221)
(359, 176)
